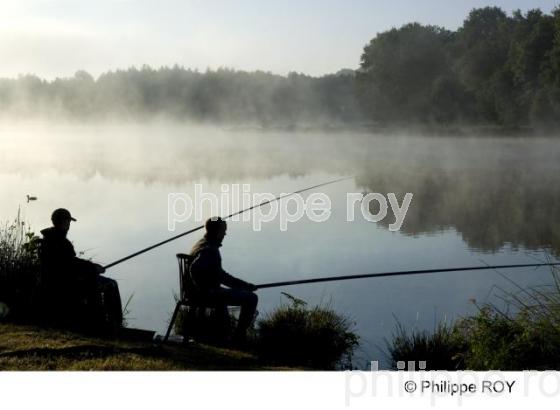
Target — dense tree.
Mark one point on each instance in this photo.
(483, 43)
(495, 69)
(398, 71)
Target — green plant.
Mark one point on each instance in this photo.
(297, 335)
(524, 335)
(19, 266)
(441, 350)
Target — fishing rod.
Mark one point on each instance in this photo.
(278, 198)
(400, 273)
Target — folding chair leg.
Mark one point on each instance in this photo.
(172, 322)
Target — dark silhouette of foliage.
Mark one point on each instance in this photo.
(441, 350)
(399, 68)
(298, 335)
(495, 69)
(522, 335)
(19, 266)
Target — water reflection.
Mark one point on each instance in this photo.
(510, 196)
(492, 191)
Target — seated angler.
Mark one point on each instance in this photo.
(208, 277)
(65, 277)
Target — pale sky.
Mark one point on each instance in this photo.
(55, 38)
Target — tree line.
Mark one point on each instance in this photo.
(496, 69)
(217, 96)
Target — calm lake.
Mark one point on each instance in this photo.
(476, 200)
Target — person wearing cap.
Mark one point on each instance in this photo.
(68, 274)
(208, 276)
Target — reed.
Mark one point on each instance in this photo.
(523, 333)
(440, 349)
(19, 266)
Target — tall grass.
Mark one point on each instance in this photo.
(19, 266)
(522, 334)
(525, 334)
(298, 335)
(441, 350)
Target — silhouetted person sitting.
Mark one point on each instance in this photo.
(207, 275)
(67, 278)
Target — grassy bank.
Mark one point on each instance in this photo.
(523, 333)
(24, 347)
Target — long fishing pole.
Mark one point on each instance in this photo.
(278, 198)
(401, 273)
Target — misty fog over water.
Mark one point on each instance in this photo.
(476, 200)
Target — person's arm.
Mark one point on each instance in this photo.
(208, 272)
(230, 280)
(235, 283)
(87, 267)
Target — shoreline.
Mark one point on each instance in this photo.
(32, 348)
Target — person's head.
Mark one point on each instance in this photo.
(61, 219)
(215, 228)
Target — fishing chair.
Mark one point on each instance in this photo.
(187, 293)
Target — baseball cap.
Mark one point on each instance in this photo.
(61, 214)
